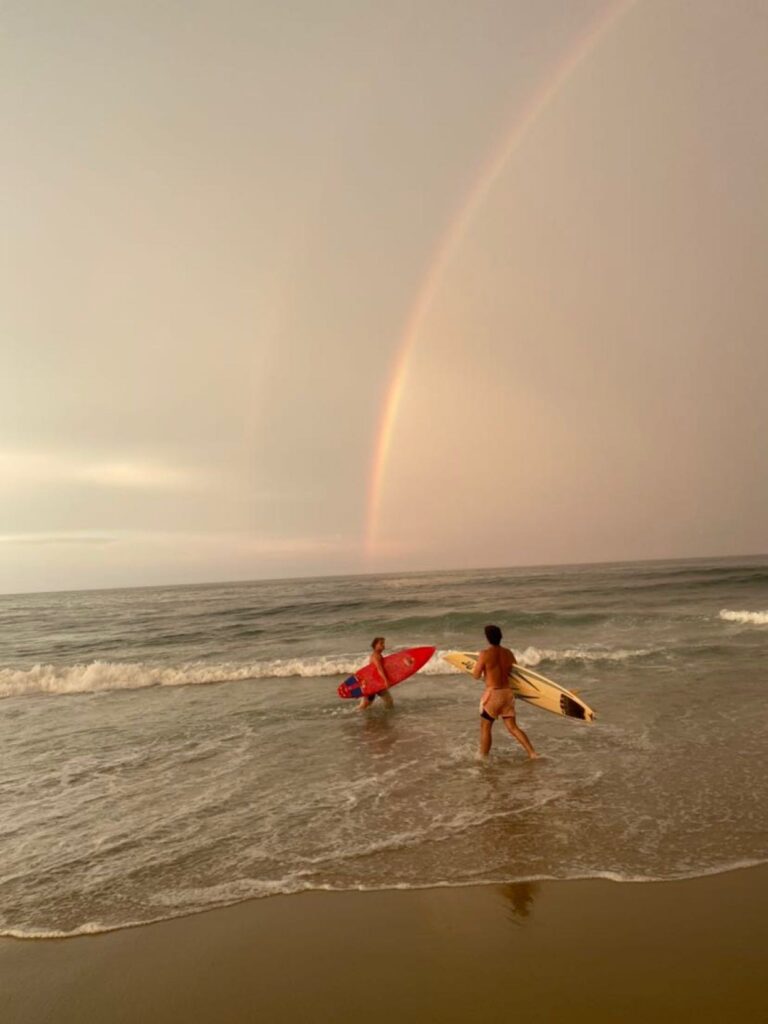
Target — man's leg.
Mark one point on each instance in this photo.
(515, 731)
(486, 724)
(386, 697)
(364, 703)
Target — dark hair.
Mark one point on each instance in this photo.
(493, 635)
(376, 640)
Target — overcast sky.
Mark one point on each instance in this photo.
(218, 216)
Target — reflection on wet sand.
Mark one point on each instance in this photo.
(520, 896)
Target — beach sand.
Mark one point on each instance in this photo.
(551, 951)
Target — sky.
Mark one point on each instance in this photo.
(292, 288)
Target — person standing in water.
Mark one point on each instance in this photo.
(498, 700)
(377, 659)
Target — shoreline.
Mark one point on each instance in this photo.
(533, 880)
(590, 949)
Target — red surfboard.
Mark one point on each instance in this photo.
(400, 665)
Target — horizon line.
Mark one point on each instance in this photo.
(386, 572)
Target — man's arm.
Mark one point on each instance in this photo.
(378, 661)
(479, 668)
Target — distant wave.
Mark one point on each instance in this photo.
(98, 676)
(532, 656)
(645, 582)
(746, 618)
(453, 623)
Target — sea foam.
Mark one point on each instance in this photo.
(99, 676)
(533, 656)
(230, 894)
(745, 618)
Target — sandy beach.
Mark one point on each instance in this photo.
(551, 951)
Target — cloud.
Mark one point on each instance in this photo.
(136, 475)
(67, 560)
(244, 544)
(198, 544)
(20, 469)
(56, 538)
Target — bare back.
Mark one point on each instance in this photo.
(494, 664)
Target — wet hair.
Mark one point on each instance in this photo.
(375, 641)
(493, 635)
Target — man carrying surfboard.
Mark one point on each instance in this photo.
(498, 700)
(377, 659)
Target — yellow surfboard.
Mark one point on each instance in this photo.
(532, 687)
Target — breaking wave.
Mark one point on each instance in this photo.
(98, 676)
(746, 618)
(107, 675)
(532, 656)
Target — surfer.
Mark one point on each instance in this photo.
(377, 645)
(498, 700)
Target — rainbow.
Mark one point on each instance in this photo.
(449, 242)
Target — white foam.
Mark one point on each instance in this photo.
(218, 897)
(745, 618)
(105, 675)
(533, 656)
(89, 928)
(98, 676)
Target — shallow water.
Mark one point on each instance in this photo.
(171, 749)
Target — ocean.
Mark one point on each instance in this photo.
(171, 749)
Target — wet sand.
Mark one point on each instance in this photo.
(552, 951)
